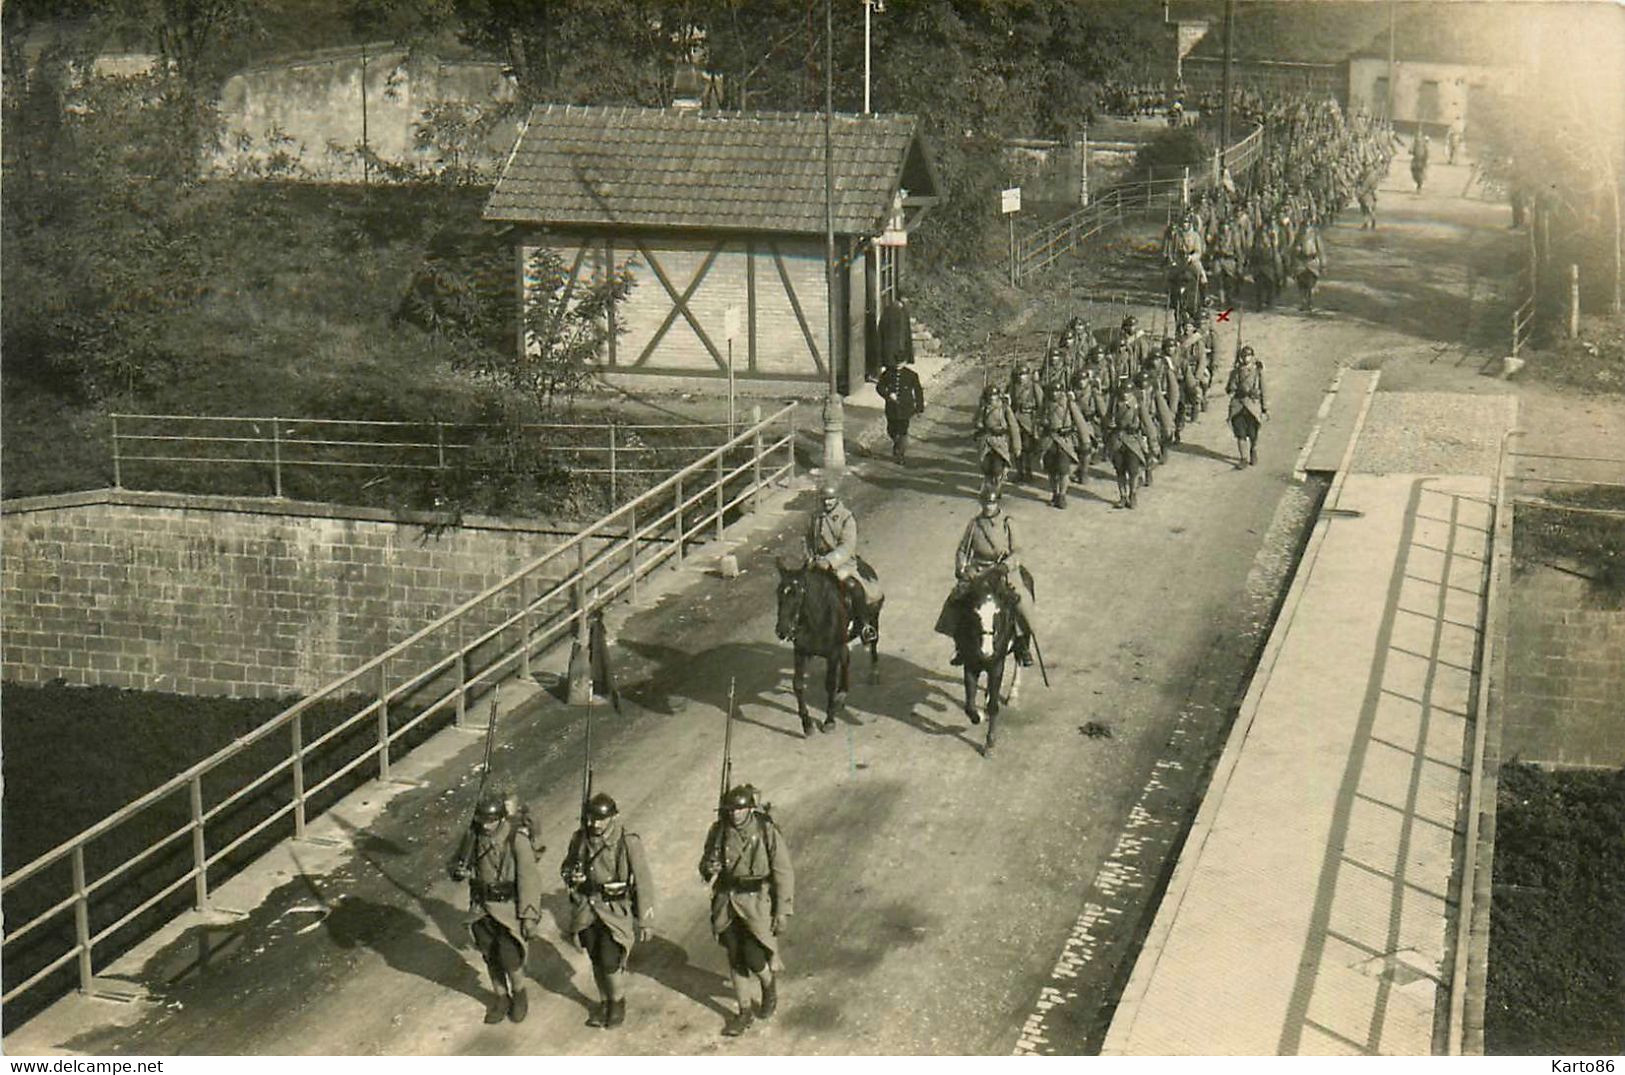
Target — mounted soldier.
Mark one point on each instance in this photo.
(498, 860)
(746, 861)
(831, 544)
(988, 544)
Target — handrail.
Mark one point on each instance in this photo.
(673, 512)
(1040, 248)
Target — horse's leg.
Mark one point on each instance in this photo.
(1014, 692)
(995, 683)
(971, 677)
(836, 670)
(800, 681)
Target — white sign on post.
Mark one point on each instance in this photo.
(896, 231)
(1010, 200)
(730, 324)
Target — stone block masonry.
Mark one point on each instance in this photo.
(233, 597)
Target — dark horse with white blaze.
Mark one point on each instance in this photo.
(815, 618)
(983, 638)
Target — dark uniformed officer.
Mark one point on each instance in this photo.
(747, 863)
(612, 901)
(900, 387)
(497, 860)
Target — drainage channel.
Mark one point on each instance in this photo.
(1075, 1007)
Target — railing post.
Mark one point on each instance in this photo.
(1574, 302)
(118, 476)
(790, 442)
(524, 625)
(721, 495)
(276, 454)
(581, 593)
(200, 854)
(298, 726)
(613, 498)
(81, 918)
(462, 677)
(677, 560)
(383, 720)
(756, 455)
(440, 444)
(632, 550)
(1514, 333)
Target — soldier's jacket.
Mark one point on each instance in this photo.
(1167, 382)
(900, 387)
(985, 542)
(1125, 425)
(1092, 407)
(504, 882)
(1159, 417)
(755, 881)
(1246, 388)
(619, 889)
(1025, 402)
(834, 534)
(1139, 348)
(1060, 427)
(998, 432)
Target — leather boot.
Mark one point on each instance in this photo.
(520, 1006)
(738, 1024)
(616, 1015)
(500, 1003)
(600, 1014)
(770, 1000)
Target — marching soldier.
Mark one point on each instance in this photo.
(747, 863)
(1025, 403)
(1166, 384)
(997, 431)
(1126, 423)
(1248, 406)
(831, 543)
(1136, 341)
(612, 901)
(1059, 429)
(989, 543)
(498, 861)
(1091, 404)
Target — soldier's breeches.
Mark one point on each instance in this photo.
(602, 948)
(499, 947)
(746, 954)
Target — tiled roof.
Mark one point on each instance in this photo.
(676, 168)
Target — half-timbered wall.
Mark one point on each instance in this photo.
(675, 317)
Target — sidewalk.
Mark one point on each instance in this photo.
(1312, 911)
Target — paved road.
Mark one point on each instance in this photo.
(937, 888)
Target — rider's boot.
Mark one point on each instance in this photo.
(1022, 647)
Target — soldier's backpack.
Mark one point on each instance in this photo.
(526, 826)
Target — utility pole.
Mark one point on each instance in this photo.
(1390, 103)
(1224, 122)
(834, 412)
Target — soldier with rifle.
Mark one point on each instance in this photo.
(746, 861)
(612, 895)
(497, 857)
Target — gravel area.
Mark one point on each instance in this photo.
(1434, 433)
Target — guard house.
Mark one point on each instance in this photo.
(722, 218)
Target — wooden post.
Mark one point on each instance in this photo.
(1574, 302)
(756, 454)
(790, 444)
(118, 478)
(721, 495)
(440, 444)
(462, 677)
(276, 454)
(200, 854)
(524, 625)
(614, 499)
(81, 918)
(383, 722)
(298, 728)
(677, 561)
(632, 549)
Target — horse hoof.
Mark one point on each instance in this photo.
(987, 749)
(806, 729)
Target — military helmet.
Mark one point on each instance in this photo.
(828, 489)
(1245, 352)
(1167, 343)
(742, 797)
(602, 806)
(491, 807)
(1129, 323)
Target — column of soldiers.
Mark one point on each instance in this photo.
(745, 859)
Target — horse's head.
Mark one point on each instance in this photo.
(791, 593)
(990, 608)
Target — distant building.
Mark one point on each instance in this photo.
(720, 212)
(1445, 59)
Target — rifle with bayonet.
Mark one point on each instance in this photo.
(713, 854)
(463, 862)
(578, 871)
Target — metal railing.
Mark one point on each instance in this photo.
(1038, 249)
(437, 670)
(281, 446)
(1523, 320)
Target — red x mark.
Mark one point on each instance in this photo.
(1224, 316)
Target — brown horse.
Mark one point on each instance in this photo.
(816, 619)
